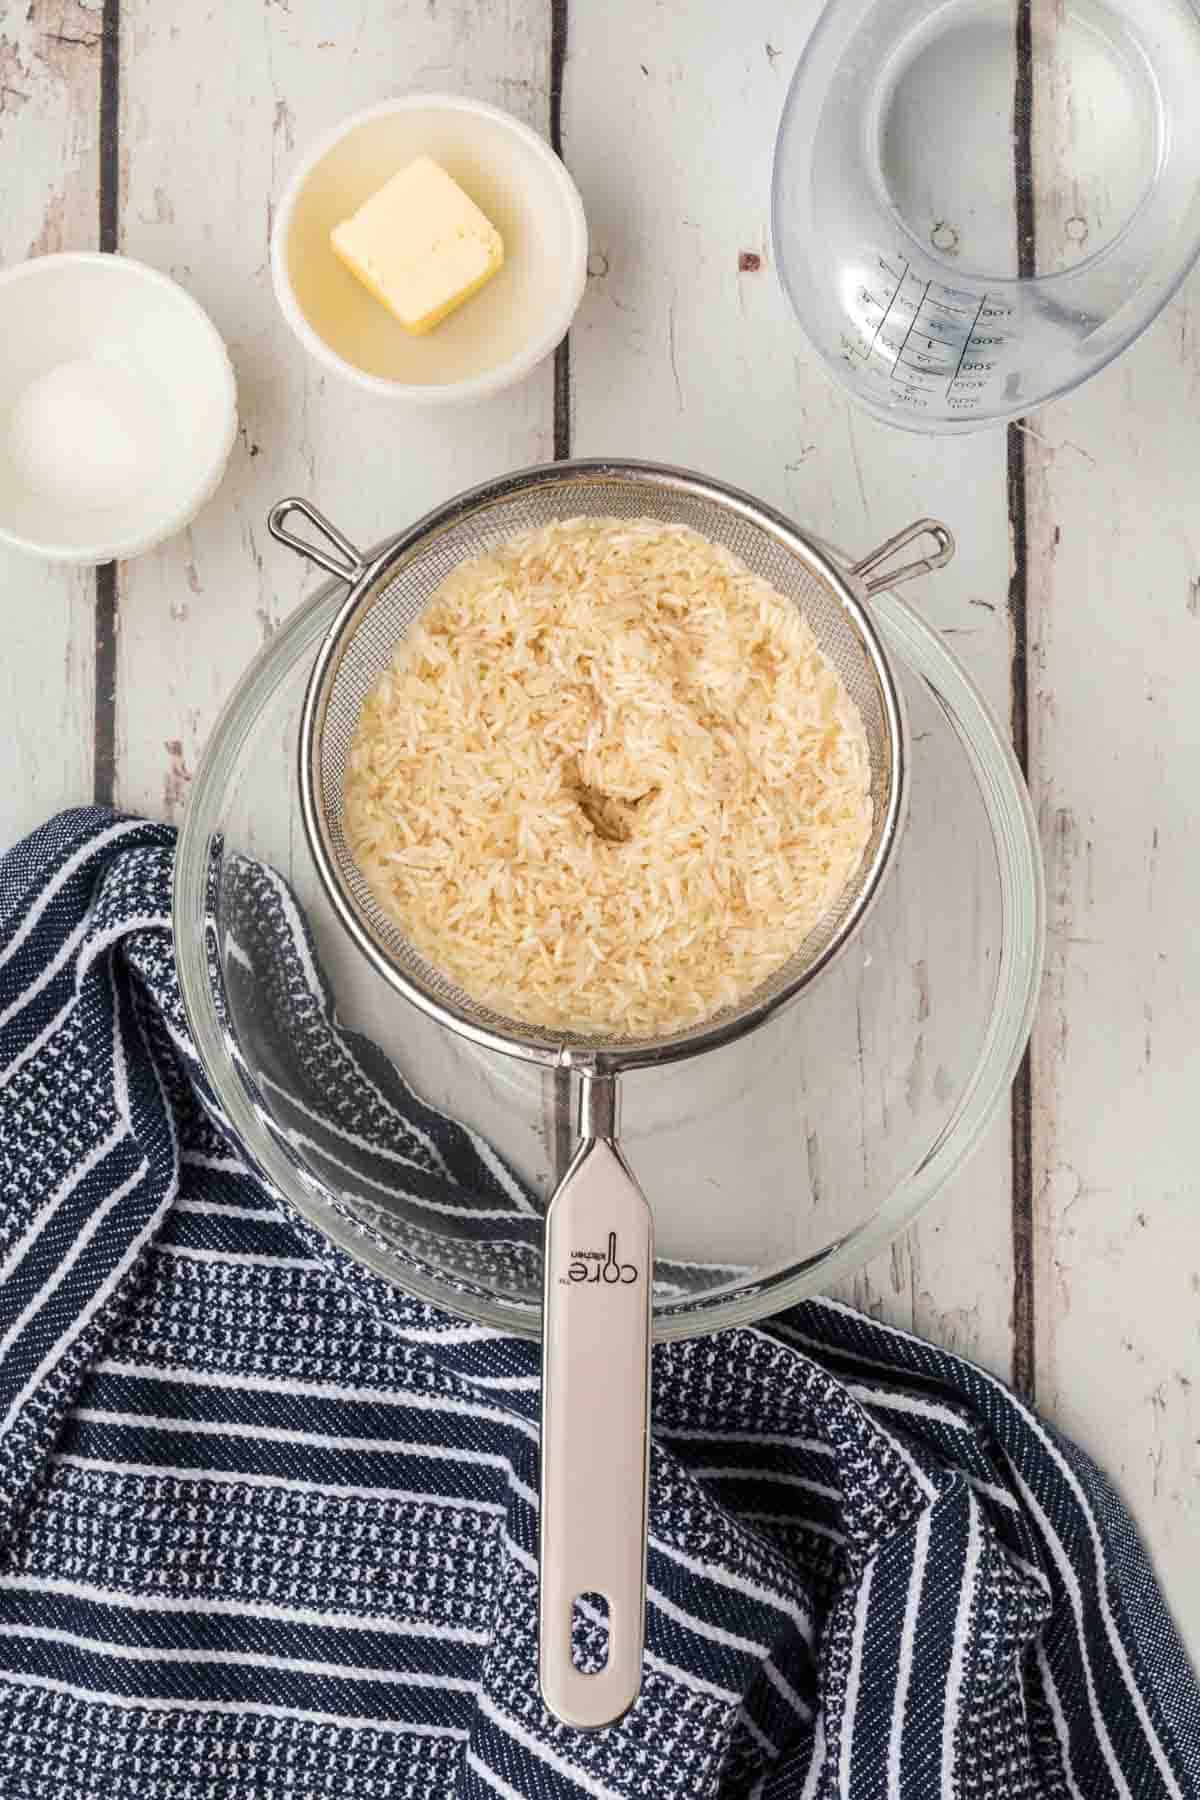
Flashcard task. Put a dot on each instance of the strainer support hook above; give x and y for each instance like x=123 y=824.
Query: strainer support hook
x=924 y=565
x=348 y=564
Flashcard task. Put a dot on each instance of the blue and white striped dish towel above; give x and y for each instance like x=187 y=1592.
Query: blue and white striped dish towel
x=269 y=1528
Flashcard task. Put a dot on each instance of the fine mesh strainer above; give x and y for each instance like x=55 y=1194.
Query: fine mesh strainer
x=598 y=1255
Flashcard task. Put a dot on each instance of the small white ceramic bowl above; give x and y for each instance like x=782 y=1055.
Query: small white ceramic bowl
x=502 y=332
x=118 y=407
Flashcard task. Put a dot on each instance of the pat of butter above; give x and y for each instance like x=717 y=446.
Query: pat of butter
x=420 y=245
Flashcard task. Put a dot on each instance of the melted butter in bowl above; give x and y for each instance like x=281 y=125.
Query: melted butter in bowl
x=505 y=329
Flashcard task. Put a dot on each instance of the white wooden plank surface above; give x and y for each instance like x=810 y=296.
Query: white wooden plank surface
x=1114 y=572
x=49 y=119
x=211 y=129
x=1115 y=535
x=679 y=356
x=217 y=106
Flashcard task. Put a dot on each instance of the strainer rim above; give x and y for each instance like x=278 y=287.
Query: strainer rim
x=546 y=1049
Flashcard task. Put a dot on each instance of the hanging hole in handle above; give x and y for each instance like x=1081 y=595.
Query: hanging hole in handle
x=348 y=565
x=589 y=1633
x=943 y=539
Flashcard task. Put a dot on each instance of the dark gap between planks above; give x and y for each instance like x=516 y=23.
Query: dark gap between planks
x=562 y=356
x=563 y=1086
x=1023 y=1310
x=1024 y=1342
x=104 y=731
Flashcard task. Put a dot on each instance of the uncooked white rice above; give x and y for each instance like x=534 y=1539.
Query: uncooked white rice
x=609 y=782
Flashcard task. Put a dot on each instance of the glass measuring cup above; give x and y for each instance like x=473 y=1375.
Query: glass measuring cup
x=979 y=203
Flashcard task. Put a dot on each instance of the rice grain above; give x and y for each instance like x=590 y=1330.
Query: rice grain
x=609 y=782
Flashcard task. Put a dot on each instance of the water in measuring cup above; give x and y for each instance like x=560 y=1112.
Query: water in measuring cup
x=996 y=161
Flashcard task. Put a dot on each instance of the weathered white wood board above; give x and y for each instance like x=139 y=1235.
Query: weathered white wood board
x=49 y=122
x=1113 y=540
x=1115 y=652
x=217 y=108
x=204 y=162
x=682 y=356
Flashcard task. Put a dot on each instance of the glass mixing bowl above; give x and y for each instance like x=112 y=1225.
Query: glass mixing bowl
x=774 y=1165
x=979 y=203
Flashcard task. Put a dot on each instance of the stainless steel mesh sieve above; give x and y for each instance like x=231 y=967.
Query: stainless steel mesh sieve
x=389 y=594
x=598 y=1252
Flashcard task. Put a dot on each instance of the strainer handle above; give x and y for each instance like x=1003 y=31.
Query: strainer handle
x=348 y=565
x=924 y=565
x=595 y=1422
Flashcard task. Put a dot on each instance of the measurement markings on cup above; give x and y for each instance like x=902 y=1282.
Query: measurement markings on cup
x=925 y=339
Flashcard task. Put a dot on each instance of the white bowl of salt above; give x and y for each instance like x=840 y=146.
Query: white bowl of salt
x=118 y=407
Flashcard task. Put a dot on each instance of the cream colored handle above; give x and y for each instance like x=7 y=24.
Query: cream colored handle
x=595 y=1429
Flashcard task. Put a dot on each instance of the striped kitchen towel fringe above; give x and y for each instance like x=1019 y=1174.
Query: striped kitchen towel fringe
x=268 y=1527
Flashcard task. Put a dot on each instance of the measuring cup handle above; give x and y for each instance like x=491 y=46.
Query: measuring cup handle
x=925 y=565
x=347 y=565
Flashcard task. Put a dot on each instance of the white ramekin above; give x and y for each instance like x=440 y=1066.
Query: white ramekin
x=169 y=359
x=502 y=332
